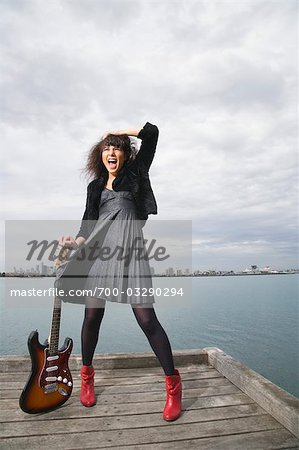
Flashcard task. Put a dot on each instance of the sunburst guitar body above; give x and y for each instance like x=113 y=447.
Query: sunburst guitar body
x=50 y=383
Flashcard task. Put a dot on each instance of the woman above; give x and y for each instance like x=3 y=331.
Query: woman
x=119 y=200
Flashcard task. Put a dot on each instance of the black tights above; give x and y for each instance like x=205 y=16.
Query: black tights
x=147 y=320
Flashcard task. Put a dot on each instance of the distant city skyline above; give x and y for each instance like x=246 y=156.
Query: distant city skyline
x=44 y=270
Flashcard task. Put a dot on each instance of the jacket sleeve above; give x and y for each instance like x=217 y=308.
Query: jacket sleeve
x=83 y=231
x=149 y=136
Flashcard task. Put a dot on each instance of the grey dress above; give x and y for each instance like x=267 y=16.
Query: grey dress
x=123 y=275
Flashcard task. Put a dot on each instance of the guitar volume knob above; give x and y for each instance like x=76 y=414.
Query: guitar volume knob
x=59 y=378
x=70 y=383
x=64 y=380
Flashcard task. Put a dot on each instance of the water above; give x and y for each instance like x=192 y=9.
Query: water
x=253 y=318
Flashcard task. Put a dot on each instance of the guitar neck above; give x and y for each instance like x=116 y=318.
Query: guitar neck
x=55 y=327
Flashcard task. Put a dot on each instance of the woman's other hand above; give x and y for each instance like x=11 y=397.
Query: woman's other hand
x=68 y=242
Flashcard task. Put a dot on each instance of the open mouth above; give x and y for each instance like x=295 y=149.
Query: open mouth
x=112 y=163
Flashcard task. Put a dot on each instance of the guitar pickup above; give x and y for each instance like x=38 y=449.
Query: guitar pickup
x=51 y=379
x=51 y=368
x=52 y=358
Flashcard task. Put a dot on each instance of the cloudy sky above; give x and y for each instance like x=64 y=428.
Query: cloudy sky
x=217 y=77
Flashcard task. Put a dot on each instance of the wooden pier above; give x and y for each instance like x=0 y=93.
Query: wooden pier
x=225 y=406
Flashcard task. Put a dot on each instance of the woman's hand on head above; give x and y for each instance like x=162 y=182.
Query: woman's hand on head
x=68 y=242
x=105 y=134
x=129 y=132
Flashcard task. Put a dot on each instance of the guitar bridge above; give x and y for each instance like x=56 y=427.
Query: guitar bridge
x=49 y=388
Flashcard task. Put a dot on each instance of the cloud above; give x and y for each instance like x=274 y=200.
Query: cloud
x=217 y=77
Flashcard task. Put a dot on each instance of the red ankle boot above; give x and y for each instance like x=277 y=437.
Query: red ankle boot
x=87 y=394
x=173 y=404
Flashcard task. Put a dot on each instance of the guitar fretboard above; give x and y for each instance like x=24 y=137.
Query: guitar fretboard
x=55 y=326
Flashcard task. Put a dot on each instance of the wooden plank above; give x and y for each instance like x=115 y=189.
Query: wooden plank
x=133 y=397
x=276 y=401
x=261 y=440
x=13 y=389
x=137 y=397
x=13 y=429
x=158 y=387
x=188 y=373
x=123 y=372
x=74 y=409
x=15 y=382
x=169 y=433
x=148 y=384
x=9 y=363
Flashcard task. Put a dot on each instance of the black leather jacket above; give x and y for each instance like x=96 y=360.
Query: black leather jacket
x=133 y=177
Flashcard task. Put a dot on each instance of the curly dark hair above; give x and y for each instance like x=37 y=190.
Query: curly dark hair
x=95 y=167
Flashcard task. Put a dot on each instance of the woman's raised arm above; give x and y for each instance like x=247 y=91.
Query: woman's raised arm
x=149 y=136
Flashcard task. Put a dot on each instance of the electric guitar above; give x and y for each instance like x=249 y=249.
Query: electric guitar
x=50 y=383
